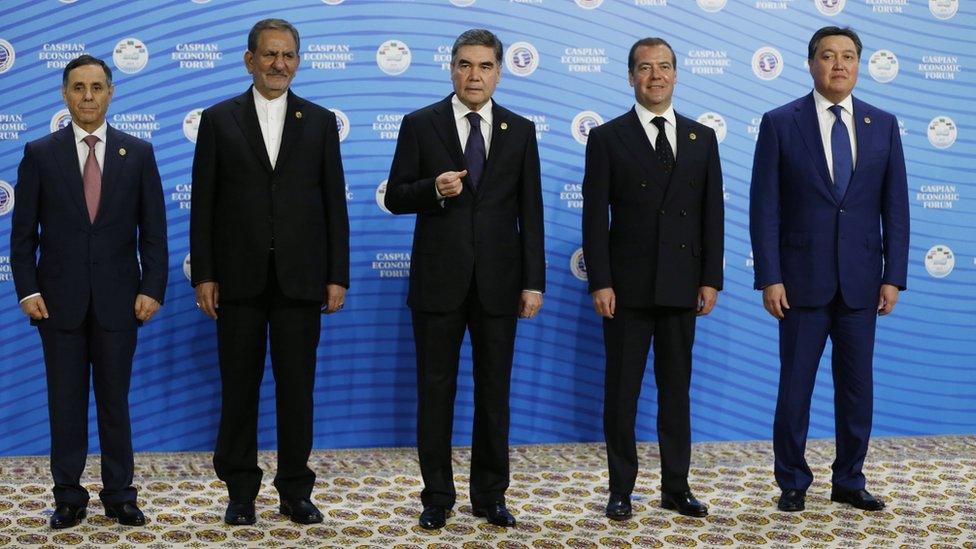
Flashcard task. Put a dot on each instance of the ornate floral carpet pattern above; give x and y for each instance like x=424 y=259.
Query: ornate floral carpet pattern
x=370 y=498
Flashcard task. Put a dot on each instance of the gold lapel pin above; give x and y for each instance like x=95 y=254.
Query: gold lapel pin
x=504 y=125
x=867 y=119
x=298 y=114
x=692 y=137
x=122 y=151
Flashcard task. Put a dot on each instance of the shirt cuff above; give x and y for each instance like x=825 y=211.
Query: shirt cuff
x=30 y=296
x=533 y=291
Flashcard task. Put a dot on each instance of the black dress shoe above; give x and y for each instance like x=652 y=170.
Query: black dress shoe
x=302 y=511
x=791 y=501
x=67 y=515
x=128 y=513
x=684 y=503
x=433 y=517
x=239 y=514
x=497 y=514
x=858 y=498
x=618 y=507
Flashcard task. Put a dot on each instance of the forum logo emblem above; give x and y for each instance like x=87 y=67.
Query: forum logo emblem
x=883 y=66
x=767 y=63
x=186 y=267
x=942 y=132
x=830 y=7
x=939 y=261
x=715 y=121
x=6 y=197
x=191 y=124
x=583 y=123
x=462 y=3
x=589 y=4
x=944 y=9
x=381 y=196
x=522 y=59
x=342 y=123
x=60 y=119
x=130 y=55
x=711 y=6
x=577 y=265
x=393 y=57
x=7 y=56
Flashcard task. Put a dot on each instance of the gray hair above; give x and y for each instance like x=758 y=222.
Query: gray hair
x=270 y=24
x=478 y=37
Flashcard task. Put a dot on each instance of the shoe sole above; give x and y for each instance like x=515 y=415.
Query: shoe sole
x=800 y=508
x=620 y=517
x=869 y=509
x=283 y=511
x=672 y=507
x=480 y=513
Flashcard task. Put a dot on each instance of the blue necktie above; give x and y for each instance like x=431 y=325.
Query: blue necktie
x=840 y=149
x=474 y=150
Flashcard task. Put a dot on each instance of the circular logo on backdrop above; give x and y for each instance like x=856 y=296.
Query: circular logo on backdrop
x=7 y=56
x=186 y=267
x=942 y=132
x=60 y=119
x=883 y=66
x=583 y=123
x=939 y=261
x=767 y=63
x=462 y=3
x=393 y=57
x=6 y=197
x=381 y=196
x=830 y=7
x=130 y=55
x=342 y=123
x=191 y=124
x=522 y=59
x=589 y=4
x=577 y=265
x=714 y=121
x=944 y=9
x=711 y=5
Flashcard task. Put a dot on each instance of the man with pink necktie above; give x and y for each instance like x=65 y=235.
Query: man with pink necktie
x=89 y=198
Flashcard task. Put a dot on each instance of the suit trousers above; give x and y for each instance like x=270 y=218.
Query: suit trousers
x=71 y=358
x=244 y=327
x=803 y=335
x=627 y=339
x=438 y=338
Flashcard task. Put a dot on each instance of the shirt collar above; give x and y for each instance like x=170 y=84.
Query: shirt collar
x=645 y=115
x=460 y=110
x=100 y=133
x=268 y=103
x=823 y=103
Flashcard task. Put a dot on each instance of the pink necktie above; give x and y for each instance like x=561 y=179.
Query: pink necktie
x=92 y=177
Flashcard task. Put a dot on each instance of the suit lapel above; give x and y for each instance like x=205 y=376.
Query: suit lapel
x=863 y=133
x=809 y=126
x=685 y=157
x=114 y=160
x=247 y=119
x=634 y=138
x=292 y=131
x=68 y=162
x=499 y=136
x=446 y=129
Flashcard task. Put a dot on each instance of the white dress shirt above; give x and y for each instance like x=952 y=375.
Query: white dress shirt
x=826 y=119
x=271 y=117
x=464 y=127
x=670 y=129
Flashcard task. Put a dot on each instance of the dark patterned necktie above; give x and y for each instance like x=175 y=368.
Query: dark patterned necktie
x=474 y=150
x=840 y=152
x=662 y=147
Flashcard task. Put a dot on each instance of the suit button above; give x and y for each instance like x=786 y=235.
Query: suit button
x=274 y=187
x=660 y=212
x=683 y=246
x=692 y=183
x=683 y=213
x=842 y=210
x=643 y=183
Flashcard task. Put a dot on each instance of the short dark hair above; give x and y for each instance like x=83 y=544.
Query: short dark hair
x=478 y=37
x=832 y=31
x=270 y=24
x=82 y=60
x=649 y=41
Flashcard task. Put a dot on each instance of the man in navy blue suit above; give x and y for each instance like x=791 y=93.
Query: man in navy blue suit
x=829 y=224
x=89 y=197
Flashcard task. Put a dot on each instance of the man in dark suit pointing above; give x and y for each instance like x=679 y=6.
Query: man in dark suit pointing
x=269 y=245
x=469 y=169
x=653 y=268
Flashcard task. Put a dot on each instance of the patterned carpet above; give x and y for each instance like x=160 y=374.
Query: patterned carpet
x=370 y=499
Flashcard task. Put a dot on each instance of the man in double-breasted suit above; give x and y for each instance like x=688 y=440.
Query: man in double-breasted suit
x=89 y=197
x=653 y=264
x=269 y=249
x=829 y=224
x=469 y=169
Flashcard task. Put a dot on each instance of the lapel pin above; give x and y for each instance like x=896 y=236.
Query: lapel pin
x=504 y=125
x=692 y=137
x=298 y=114
x=122 y=151
x=867 y=119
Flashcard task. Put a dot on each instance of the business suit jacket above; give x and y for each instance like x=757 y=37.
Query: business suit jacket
x=83 y=262
x=666 y=237
x=240 y=205
x=494 y=233
x=802 y=236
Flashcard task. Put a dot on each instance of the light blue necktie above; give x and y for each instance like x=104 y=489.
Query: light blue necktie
x=840 y=147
